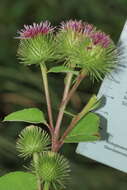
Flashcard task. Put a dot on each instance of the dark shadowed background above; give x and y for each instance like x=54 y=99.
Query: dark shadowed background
x=20 y=87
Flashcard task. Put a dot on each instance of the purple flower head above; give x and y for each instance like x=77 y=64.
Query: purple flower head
x=76 y=26
x=100 y=38
x=88 y=29
x=31 y=31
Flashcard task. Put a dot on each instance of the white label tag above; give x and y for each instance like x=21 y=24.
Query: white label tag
x=112 y=150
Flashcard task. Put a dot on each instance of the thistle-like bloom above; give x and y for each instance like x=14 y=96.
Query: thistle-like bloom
x=96 y=55
x=31 y=31
x=32 y=140
x=36 y=43
x=70 y=34
x=88 y=29
x=76 y=26
x=85 y=47
x=54 y=169
x=100 y=38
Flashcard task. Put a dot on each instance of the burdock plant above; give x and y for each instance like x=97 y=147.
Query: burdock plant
x=79 y=50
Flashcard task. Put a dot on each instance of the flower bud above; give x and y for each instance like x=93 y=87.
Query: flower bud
x=69 y=35
x=32 y=140
x=86 y=48
x=96 y=55
x=53 y=168
x=36 y=43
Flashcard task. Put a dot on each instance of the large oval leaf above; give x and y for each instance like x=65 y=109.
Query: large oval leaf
x=62 y=69
x=30 y=115
x=85 y=130
x=18 y=181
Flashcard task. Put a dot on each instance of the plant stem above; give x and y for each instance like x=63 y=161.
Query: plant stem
x=46 y=186
x=74 y=121
x=74 y=88
x=35 y=159
x=64 y=103
x=62 y=106
x=61 y=110
x=46 y=88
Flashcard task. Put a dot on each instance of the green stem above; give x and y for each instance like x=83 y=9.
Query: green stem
x=46 y=88
x=74 y=88
x=69 y=114
x=46 y=186
x=35 y=159
x=57 y=144
x=74 y=121
x=61 y=110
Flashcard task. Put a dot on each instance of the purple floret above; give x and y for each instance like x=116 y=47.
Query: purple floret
x=100 y=38
x=76 y=26
x=31 y=31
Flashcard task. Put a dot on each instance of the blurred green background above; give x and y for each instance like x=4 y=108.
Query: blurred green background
x=20 y=87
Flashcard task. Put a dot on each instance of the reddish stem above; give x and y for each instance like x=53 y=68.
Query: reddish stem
x=74 y=88
x=70 y=127
x=61 y=111
x=57 y=144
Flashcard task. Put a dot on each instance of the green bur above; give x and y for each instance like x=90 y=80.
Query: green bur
x=54 y=169
x=32 y=140
x=35 y=50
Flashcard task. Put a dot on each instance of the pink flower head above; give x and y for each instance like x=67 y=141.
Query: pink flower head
x=100 y=38
x=88 y=29
x=31 y=31
x=76 y=26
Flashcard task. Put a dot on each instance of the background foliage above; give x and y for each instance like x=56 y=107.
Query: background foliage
x=21 y=87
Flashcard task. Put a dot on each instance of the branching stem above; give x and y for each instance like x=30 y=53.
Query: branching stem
x=74 y=88
x=65 y=100
x=62 y=105
x=75 y=120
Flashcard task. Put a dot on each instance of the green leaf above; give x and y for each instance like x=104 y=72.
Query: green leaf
x=99 y=103
x=88 y=107
x=18 y=181
x=30 y=115
x=85 y=130
x=62 y=69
